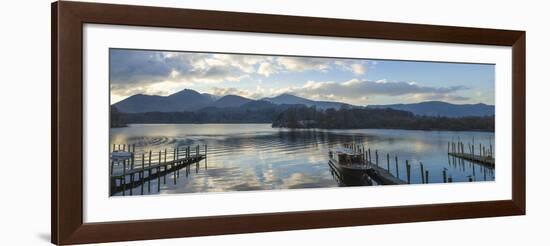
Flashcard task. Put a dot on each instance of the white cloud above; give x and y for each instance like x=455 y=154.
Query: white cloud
x=357 y=90
x=267 y=69
x=300 y=64
x=358 y=69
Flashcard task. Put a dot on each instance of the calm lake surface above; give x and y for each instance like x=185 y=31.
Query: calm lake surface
x=257 y=157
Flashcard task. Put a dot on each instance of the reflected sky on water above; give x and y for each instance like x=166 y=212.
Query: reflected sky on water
x=257 y=157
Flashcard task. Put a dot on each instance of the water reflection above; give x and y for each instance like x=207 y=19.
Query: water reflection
x=258 y=157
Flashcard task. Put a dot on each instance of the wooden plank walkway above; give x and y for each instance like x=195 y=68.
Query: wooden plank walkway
x=382 y=175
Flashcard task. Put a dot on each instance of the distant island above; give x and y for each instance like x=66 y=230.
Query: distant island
x=290 y=111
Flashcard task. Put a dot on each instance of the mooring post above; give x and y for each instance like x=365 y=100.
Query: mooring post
x=422 y=172
x=479 y=149
x=427 y=175
x=158 y=171
x=445 y=175
x=448 y=147
x=396 y=167
x=149 y=173
x=470 y=179
x=408 y=171
x=165 y=166
x=142 y=168
x=132 y=161
x=124 y=177
x=131 y=183
x=388 y=160
x=450 y=180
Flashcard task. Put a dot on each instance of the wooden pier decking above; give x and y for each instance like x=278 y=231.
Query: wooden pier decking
x=139 y=169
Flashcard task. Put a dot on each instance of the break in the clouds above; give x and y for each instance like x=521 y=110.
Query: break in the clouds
x=355 y=81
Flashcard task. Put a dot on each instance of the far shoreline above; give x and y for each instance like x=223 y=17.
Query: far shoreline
x=287 y=128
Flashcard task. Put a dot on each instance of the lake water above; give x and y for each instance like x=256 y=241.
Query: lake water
x=244 y=157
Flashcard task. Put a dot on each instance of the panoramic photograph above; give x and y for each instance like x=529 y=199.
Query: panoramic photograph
x=196 y=122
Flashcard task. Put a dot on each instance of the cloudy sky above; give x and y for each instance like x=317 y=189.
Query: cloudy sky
x=354 y=81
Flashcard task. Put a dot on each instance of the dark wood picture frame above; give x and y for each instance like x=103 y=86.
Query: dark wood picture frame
x=67 y=123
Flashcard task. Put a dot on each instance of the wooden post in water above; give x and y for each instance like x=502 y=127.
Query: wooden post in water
x=450 y=180
x=165 y=166
x=376 y=155
x=396 y=167
x=470 y=179
x=131 y=183
x=124 y=177
x=427 y=175
x=445 y=175
x=422 y=171
x=141 y=173
x=158 y=171
x=149 y=173
x=479 y=149
x=388 y=159
x=132 y=160
x=448 y=147
x=408 y=171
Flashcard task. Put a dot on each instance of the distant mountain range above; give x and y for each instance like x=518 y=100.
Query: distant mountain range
x=437 y=108
x=192 y=101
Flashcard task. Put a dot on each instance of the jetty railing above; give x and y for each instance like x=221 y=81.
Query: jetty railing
x=140 y=168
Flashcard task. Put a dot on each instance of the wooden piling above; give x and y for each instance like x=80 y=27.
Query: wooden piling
x=450 y=180
x=124 y=177
x=422 y=171
x=427 y=177
x=444 y=175
x=408 y=171
x=149 y=173
x=376 y=155
x=164 y=176
x=158 y=171
x=142 y=168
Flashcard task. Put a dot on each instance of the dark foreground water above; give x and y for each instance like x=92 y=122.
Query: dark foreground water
x=257 y=157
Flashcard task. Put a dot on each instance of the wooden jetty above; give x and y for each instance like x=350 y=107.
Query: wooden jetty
x=139 y=169
x=482 y=155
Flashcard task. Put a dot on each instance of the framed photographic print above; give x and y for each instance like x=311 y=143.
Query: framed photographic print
x=175 y=122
